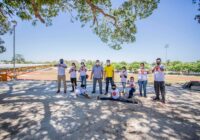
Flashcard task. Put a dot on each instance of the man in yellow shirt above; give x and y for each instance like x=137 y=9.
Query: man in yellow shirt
x=108 y=75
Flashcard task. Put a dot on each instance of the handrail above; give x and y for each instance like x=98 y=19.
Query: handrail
x=8 y=73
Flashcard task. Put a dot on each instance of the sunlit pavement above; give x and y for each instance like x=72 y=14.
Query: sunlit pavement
x=32 y=110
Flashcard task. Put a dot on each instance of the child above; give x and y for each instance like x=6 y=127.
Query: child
x=123 y=76
x=83 y=74
x=82 y=91
x=72 y=72
x=132 y=87
x=115 y=96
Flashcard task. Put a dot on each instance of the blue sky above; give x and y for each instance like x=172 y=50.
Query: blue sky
x=172 y=23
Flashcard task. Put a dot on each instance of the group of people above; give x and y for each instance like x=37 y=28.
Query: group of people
x=107 y=73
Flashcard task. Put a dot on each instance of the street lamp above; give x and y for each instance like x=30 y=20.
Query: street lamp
x=14 y=26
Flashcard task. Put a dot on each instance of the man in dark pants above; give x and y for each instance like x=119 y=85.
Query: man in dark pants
x=97 y=75
x=108 y=75
x=159 y=80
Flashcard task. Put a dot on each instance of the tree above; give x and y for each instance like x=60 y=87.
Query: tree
x=89 y=64
x=117 y=66
x=19 y=59
x=2 y=32
x=2 y=49
x=197 y=2
x=134 y=66
x=123 y=63
x=115 y=25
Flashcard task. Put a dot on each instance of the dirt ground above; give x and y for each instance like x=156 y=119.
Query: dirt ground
x=30 y=110
x=51 y=74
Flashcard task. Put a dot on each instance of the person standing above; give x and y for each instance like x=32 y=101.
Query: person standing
x=97 y=75
x=61 y=75
x=72 y=72
x=159 y=80
x=108 y=75
x=83 y=74
x=142 y=79
x=123 y=76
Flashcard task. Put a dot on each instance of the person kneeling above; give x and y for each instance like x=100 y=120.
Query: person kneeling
x=115 y=96
x=82 y=91
x=132 y=87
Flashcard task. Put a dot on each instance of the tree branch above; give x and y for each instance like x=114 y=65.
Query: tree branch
x=1 y=11
x=95 y=8
x=36 y=11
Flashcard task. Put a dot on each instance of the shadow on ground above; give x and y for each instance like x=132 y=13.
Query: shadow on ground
x=32 y=110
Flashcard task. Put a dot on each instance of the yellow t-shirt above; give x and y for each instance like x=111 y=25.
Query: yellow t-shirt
x=109 y=71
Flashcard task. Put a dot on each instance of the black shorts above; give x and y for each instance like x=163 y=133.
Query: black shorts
x=73 y=80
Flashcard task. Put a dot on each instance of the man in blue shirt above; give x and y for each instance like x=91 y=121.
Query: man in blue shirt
x=97 y=75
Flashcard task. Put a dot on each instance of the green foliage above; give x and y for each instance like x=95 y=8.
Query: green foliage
x=134 y=66
x=175 y=66
x=197 y=17
x=19 y=59
x=2 y=48
x=114 y=26
x=186 y=67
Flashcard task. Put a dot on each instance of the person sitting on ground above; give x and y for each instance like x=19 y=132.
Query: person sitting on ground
x=132 y=87
x=115 y=96
x=82 y=91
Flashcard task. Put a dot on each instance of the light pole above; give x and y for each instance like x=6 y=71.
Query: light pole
x=14 y=26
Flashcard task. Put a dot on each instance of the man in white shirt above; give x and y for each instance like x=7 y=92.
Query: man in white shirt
x=159 y=80
x=61 y=75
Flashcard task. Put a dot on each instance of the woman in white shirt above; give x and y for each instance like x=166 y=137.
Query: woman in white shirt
x=83 y=74
x=123 y=76
x=72 y=72
x=142 y=79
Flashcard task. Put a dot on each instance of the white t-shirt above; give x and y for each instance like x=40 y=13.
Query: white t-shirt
x=158 y=74
x=115 y=94
x=142 y=75
x=131 y=84
x=123 y=76
x=80 y=91
x=83 y=71
x=72 y=72
x=61 y=69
